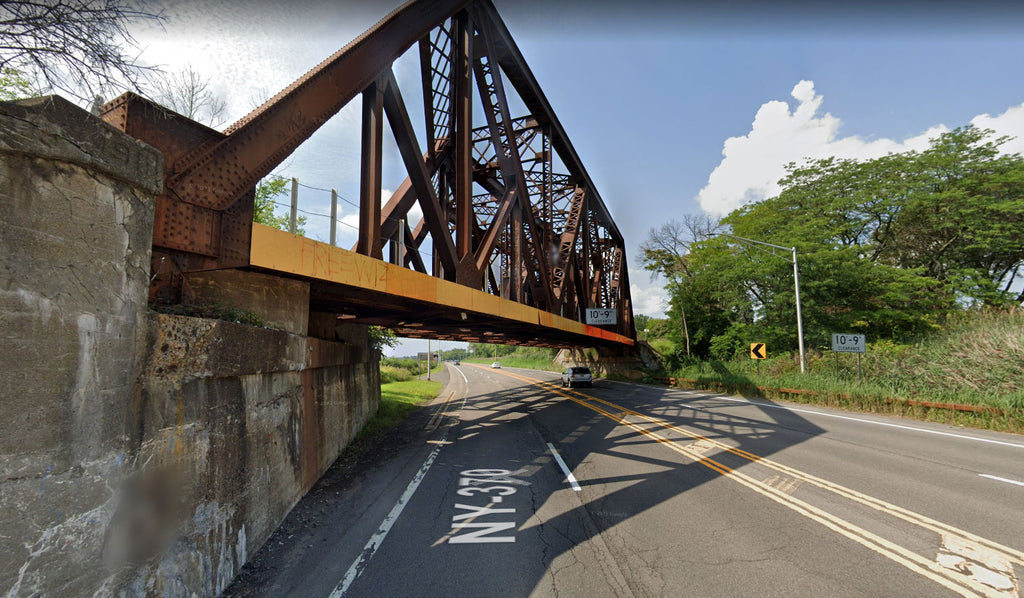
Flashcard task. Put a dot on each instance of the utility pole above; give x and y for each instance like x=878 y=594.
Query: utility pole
x=796 y=286
x=428 y=359
x=686 y=332
x=799 y=317
x=334 y=218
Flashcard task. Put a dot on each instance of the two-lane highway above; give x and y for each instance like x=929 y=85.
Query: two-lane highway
x=516 y=486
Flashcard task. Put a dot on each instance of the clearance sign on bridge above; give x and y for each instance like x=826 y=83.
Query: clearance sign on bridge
x=601 y=317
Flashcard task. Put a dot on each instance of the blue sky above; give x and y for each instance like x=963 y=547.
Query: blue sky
x=650 y=92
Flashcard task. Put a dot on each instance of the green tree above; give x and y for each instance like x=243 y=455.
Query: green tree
x=887 y=246
x=666 y=253
x=488 y=350
x=455 y=353
x=267 y=190
x=641 y=322
x=14 y=85
x=381 y=337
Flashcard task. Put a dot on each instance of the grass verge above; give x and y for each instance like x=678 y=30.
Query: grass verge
x=397 y=401
x=969 y=371
x=867 y=398
x=516 y=361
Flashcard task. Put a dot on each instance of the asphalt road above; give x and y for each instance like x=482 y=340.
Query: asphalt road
x=675 y=493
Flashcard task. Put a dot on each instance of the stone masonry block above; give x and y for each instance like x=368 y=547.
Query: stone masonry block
x=281 y=303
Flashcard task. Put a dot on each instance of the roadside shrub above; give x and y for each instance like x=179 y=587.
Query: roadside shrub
x=663 y=346
x=394 y=374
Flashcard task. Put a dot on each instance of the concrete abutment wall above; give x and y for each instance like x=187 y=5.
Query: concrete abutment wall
x=630 y=363
x=144 y=453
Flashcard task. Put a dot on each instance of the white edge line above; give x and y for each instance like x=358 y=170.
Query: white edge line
x=856 y=419
x=1008 y=481
x=568 y=474
x=378 y=537
x=878 y=423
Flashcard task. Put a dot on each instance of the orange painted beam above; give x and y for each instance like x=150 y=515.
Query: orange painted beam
x=280 y=251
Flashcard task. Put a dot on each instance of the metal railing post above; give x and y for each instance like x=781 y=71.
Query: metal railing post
x=295 y=206
x=401 y=242
x=334 y=217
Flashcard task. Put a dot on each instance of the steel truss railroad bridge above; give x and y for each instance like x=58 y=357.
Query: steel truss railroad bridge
x=520 y=242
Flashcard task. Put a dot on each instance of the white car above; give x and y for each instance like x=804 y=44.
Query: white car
x=577 y=375
x=496 y=365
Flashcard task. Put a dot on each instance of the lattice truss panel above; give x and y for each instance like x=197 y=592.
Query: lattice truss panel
x=554 y=251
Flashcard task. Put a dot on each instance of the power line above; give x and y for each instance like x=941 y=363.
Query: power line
x=340 y=196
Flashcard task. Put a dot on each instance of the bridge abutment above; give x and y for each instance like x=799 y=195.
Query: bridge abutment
x=144 y=453
x=628 y=362
x=280 y=303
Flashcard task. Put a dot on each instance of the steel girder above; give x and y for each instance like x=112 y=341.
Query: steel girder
x=507 y=205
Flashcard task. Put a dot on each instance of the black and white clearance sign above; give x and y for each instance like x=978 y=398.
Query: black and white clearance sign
x=849 y=343
x=601 y=317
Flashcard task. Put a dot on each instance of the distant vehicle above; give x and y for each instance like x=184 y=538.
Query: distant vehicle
x=496 y=365
x=577 y=375
x=456 y=362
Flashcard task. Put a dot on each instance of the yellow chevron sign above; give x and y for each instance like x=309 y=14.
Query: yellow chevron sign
x=758 y=351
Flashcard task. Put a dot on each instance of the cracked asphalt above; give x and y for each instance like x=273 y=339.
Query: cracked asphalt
x=494 y=515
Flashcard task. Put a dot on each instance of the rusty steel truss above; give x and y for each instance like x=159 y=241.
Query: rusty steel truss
x=507 y=205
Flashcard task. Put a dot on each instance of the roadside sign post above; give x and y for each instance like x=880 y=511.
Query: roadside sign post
x=849 y=343
x=758 y=352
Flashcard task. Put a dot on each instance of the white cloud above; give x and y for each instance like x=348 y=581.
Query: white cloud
x=351 y=222
x=649 y=297
x=752 y=165
x=1009 y=123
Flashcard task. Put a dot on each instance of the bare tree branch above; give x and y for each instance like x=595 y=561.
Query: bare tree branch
x=188 y=93
x=80 y=47
x=666 y=247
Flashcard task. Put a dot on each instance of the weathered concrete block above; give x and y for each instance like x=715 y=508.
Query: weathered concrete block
x=53 y=129
x=281 y=303
x=143 y=454
x=76 y=220
x=243 y=438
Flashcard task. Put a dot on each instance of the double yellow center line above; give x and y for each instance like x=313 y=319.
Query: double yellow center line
x=959 y=583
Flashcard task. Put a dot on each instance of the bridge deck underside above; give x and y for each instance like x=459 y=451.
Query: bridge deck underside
x=366 y=290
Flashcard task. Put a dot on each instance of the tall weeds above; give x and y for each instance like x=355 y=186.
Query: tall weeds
x=977 y=358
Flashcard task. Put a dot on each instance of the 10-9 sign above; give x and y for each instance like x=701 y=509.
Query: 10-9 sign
x=601 y=317
x=849 y=343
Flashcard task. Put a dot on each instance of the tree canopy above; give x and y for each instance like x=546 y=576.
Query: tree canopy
x=886 y=247
x=14 y=85
x=263 y=208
